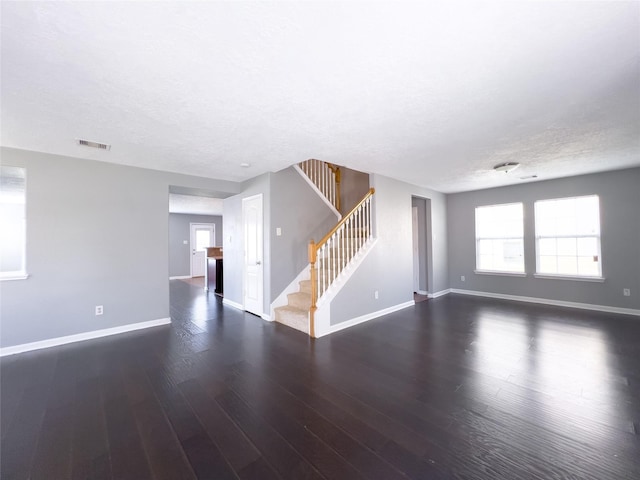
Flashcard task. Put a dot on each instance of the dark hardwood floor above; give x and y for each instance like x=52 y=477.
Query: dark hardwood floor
x=456 y=387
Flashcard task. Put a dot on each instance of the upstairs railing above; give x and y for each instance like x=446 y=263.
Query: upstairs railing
x=326 y=177
x=329 y=257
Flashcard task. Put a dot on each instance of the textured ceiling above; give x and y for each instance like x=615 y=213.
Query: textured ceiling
x=433 y=93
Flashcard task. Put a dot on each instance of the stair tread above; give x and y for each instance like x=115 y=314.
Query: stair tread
x=293 y=317
x=300 y=293
x=299 y=299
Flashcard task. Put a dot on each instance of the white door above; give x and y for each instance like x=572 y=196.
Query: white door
x=253 y=251
x=202 y=236
x=416 y=250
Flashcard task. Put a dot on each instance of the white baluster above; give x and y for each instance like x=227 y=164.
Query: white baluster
x=324 y=180
x=349 y=240
x=366 y=216
x=358 y=218
x=331 y=267
x=335 y=260
x=326 y=273
x=357 y=231
x=331 y=185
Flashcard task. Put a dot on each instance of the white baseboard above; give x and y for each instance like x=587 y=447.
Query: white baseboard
x=180 y=277
x=231 y=303
x=54 y=342
x=547 y=301
x=239 y=306
x=366 y=318
x=422 y=292
x=439 y=294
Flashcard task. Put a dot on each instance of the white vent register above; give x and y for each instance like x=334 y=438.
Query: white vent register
x=87 y=143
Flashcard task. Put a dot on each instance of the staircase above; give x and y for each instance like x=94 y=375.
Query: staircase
x=331 y=256
x=296 y=313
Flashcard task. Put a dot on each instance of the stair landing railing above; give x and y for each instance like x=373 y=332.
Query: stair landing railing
x=330 y=256
x=325 y=176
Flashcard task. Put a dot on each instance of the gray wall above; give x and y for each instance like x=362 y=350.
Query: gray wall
x=233 y=241
x=179 y=231
x=298 y=210
x=353 y=186
x=619 y=193
x=97 y=234
x=389 y=266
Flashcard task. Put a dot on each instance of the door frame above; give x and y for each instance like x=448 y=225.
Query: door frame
x=192 y=226
x=260 y=311
x=415 y=248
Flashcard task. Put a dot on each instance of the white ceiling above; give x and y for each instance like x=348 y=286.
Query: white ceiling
x=433 y=93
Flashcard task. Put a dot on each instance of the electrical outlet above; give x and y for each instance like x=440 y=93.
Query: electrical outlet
x=462 y=278
x=375 y=294
x=626 y=292
x=99 y=310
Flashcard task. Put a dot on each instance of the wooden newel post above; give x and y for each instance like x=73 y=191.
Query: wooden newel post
x=314 y=287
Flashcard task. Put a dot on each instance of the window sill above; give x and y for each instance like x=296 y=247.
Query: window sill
x=504 y=274
x=14 y=276
x=569 y=277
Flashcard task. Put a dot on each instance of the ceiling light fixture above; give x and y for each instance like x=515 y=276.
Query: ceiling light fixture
x=506 y=167
x=245 y=165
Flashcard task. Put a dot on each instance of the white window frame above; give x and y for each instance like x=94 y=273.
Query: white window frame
x=598 y=237
x=513 y=273
x=22 y=273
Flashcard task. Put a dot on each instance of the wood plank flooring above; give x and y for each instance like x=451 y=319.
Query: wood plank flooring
x=456 y=387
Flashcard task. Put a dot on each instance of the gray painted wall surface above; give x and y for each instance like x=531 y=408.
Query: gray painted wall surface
x=389 y=266
x=619 y=193
x=97 y=234
x=353 y=186
x=298 y=210
x=179 y=231
x=233 y=241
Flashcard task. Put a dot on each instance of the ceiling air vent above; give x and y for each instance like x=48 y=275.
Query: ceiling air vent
x=87 y=143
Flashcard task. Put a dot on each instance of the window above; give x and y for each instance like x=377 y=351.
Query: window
x=499 y=238
x=12 y=222
x=568 y=237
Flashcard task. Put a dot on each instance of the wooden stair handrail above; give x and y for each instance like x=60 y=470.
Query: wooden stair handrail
x=344 y=219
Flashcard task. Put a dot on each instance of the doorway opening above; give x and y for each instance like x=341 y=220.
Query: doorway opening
x=421 y=247
x=202 y=237
x=195 y=223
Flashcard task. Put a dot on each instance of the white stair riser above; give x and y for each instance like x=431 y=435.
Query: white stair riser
x=298 y=321
x=305 y=286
